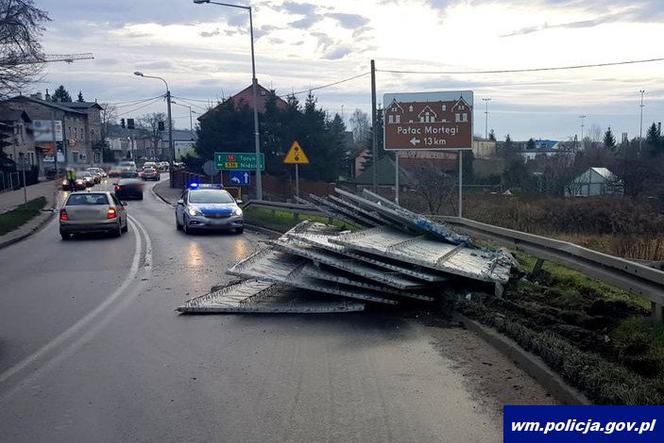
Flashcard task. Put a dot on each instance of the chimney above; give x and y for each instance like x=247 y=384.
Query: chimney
x=659 y=127
x=47 y=96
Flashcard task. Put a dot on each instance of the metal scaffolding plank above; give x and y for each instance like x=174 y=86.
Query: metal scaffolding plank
x=329 y=212
x=325 y=205
x=272 y=265
x=313 y=237
x=259 y=297
x=410 y=219
x=317 y=272
x=352 y=266
x=477 y=264
x=372 y=215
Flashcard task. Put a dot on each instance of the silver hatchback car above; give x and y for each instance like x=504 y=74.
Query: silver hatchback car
x=92 y=212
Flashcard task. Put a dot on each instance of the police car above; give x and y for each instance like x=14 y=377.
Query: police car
x=208 y=207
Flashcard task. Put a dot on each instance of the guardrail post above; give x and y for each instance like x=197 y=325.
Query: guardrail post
x=537 y=268
x=657 y=311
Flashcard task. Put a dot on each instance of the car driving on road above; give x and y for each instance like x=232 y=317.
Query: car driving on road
x=87 y=177
x=150 y=174
x=129 y=187
x=208 y=208
x=92 y=212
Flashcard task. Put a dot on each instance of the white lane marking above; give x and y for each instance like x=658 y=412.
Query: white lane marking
x=148 y=241
x=83 y=322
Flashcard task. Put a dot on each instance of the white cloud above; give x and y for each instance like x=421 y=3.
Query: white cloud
x=202 y=49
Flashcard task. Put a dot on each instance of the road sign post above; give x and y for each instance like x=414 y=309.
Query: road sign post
x=297 y=157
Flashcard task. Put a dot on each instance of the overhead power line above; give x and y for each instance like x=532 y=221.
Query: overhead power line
x=124 y=104
x=508 y=71
x=364 y=74
x=140 y=107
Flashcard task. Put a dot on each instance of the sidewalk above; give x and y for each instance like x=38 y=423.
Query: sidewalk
x=165 y=192
x=11 y=199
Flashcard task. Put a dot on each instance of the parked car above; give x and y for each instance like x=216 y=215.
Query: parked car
x=92 y=212
x=85 y=175
x=163 y=166
x=208 y=208
x=99 y=171
x=129 y=188
x=150 y=174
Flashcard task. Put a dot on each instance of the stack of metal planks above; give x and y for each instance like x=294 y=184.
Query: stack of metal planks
x=387 y=255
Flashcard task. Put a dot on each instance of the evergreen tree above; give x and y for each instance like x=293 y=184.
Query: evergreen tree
x=654 y=141
x=61 y=95
x=531 y=144
x=609 y=139
x=80 y=97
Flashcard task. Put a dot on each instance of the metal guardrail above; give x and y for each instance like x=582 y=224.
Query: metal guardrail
x=296 y=208
x=628 y=275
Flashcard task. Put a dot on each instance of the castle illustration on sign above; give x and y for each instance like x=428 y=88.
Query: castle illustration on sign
x=427 y=112
x=428 y=121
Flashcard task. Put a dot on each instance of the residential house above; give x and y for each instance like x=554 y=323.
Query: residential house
x=594 y=182
x=18 y=139
x=246 y=96
x=78 y=128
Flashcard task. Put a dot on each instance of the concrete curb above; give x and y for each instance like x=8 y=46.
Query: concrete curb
x=23 y=236
x=530 y=363
x=156 y=194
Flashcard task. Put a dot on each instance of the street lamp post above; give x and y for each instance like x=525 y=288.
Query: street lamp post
x=171 y=151
x=486 y=101
x=254 y=90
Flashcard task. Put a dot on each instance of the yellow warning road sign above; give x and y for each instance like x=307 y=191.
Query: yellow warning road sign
x=296 y=155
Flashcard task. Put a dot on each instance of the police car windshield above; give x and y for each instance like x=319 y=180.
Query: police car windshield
x=210 y=196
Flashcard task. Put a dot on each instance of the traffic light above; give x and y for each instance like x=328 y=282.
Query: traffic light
x=122 y=123
x=130 y=123
x=161 y=126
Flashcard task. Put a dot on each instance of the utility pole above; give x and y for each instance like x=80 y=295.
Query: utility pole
x=374 y=153
x=582 y=117
x=486 y=101
x=171 y=148
x=642 y=91
x=55 y=146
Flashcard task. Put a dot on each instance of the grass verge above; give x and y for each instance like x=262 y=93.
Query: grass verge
x=597 y=337
x=282 y=220
x=13 y=219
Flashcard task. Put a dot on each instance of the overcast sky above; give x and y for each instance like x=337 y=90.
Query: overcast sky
x=203 y=52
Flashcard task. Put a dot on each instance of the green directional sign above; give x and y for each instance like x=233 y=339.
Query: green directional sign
x=237 y=161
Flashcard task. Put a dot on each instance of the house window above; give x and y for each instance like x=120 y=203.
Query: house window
x=74 y=156
x=398 y=118
x=426 y=118
x=390 y=119
x=461 y=118
x=444 y=107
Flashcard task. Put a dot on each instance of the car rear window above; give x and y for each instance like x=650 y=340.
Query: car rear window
x=87 y=199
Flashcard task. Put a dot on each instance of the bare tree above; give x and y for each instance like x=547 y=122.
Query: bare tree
x=21 y=56
x=108 y=116
x=150 y=122
x=359 y=123
x=435 y=187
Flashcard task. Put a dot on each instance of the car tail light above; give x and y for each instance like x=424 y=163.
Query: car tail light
x=63 y=215
x=111 y=213
x=117 y=188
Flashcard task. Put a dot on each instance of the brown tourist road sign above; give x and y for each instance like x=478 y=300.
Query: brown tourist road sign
x=428 y=120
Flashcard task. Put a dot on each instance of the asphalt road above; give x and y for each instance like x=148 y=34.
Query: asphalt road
x=92 y=350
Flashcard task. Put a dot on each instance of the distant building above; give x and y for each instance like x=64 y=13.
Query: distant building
x=594 y=182
x=385 y=176
x=484 y=149
x=17 y=135
x=78 y=128
x=183 y=142
x=246 y=97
